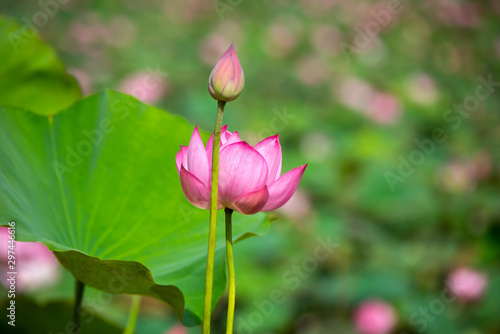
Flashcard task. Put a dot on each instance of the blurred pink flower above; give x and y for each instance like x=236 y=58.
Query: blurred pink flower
x=83 y=34
x=36 y=266
x=145 y=86
x=212 y=47
x=326 y=39
x=383 y=108
x=483 y=165
x=185 y=11
x=215 y=44
x=421 y=88
x=83 y=79
x=92 y=33
x=457 y=13
x=375 y=317
x=280 y=40
x=298 y=208
x=317 y=8
x=227 y=80
x=316 y=146
x=457 y=176
x=177 y=329
x=355 y=93
x=249 y=177
x=353 y=12
x=467 y=284
x=312 y=70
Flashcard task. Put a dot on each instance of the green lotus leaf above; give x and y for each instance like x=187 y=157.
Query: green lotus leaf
x=31 y=75
x=97 y=183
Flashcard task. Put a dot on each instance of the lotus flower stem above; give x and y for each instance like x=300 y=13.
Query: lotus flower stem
x=230 y=271
x=207 y=309
x=79 y=288
x=132 y=316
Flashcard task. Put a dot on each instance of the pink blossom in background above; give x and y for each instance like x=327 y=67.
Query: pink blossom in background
x=84 y=38
x=383 y=109
x=353 y=12
x=250 y=178
x=280 y=40
x=185 y=11
x=146 y=86
x=375 y=317
x=216 y=43
x=316 y=146
x=298 y=208
x=83 y=79
x=421 y=88
x=83 y=34
x=36 y=266
x=354 y=93
x=212 y=47
x=326 y=39
x=177 y=329
x=315 y=8
x=483 y=165
x=457 y=176
x=457 y=13
x=283 y=35
x=93 y=36
x=467 y=284
x=312 y=70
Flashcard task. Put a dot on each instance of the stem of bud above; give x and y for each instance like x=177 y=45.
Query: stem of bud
x=207 y=309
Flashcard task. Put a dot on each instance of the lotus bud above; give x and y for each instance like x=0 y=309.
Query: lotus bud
x=227 y=80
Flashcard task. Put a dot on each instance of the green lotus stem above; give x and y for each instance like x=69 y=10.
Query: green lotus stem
x=230 y=271
x=133 y=313
x=79 y=289
x=207 y=309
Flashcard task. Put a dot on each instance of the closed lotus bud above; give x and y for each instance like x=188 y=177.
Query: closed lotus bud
x=227 y=80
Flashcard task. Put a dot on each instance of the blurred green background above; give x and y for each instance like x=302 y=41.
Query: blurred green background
x=358 y=91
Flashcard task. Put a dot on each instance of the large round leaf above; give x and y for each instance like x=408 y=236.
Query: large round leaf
x=97 y=183
x=31 y=76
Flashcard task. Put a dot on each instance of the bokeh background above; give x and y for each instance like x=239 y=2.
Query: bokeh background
x=389 y=104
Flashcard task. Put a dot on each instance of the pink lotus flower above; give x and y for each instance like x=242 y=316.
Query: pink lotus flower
x=227 y=80
x=467 y=284
x=145 y=85
x=249 y=177
x=36 y=265
x=375 y=317
x=177 y=329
